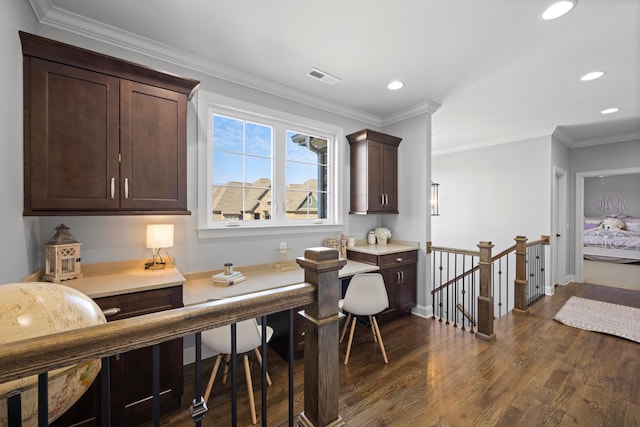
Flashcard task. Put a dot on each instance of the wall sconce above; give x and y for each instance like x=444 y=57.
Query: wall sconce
x=435 y=200
x=159 y=236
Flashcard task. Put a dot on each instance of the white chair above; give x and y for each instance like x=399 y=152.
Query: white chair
x=248 y=339
x=365 y=296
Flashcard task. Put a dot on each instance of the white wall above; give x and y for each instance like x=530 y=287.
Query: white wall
x=493 y=194
x=414 y=221
x=116 y=238
x=19 y=235
x=625 y=187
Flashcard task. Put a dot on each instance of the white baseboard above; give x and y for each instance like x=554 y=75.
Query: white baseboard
x=422 y=311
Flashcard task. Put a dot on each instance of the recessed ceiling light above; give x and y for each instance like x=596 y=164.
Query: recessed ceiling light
x=558 y=9
x=610 y=110
x=592 y=76
x=395 y=85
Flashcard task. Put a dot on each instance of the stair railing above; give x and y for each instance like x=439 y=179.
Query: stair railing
x=473 y=287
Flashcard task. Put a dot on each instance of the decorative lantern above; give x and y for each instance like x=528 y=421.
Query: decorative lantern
x=62 y=256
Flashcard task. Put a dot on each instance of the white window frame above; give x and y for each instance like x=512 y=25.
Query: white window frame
x=210 y=103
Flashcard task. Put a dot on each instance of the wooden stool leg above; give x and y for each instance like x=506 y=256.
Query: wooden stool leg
x=377 y=331
x=344 y=328
x=353 y=328
x=373 y=330
x=252 y=403
x=259 y=357
x=227 y=359
x=212 y=378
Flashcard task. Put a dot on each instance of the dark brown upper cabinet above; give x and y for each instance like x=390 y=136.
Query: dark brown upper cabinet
x=102 y=136
x=374 y=172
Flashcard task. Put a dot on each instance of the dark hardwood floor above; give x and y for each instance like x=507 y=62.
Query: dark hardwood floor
x=537 y=373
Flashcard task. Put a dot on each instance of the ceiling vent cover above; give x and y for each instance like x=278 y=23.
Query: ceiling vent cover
x=324 y=77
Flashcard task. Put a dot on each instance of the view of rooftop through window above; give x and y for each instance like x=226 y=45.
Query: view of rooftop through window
x=246 y=165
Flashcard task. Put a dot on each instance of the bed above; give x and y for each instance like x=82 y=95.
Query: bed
x=612 y=238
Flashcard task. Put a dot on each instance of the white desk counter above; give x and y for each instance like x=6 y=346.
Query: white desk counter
x=122 y=282
x=199 y=287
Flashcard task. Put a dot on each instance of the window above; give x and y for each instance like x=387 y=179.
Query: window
x=261 y=169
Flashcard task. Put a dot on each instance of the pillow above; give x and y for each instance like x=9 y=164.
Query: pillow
x=592 y=220
x=588 y=226
x=633 y=224
x=612 y=224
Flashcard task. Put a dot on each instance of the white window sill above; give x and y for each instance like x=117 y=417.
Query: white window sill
x=273 y=230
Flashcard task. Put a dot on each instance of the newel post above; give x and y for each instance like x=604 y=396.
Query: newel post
x=485 y=299
x=321 y=346
x=520 y=282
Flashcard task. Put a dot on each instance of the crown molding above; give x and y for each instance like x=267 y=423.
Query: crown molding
x=428 y=107
x=48 y=14
x=562 y=136
x=632 y=136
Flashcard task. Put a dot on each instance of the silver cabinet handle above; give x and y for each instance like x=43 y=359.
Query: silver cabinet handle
x=126 y=188
x=113 y=188
x=111 y=311
x=398 y=259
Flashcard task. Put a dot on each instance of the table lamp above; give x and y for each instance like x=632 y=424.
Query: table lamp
x=159 y=236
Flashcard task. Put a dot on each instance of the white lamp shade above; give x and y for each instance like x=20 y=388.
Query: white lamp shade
x=159 y=236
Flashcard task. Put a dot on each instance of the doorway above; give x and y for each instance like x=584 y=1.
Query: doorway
x=580 y=177
x=559 y=230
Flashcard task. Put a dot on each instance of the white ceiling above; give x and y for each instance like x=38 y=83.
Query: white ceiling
x=491 y=69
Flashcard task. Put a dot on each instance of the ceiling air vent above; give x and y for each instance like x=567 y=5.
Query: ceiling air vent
x=323 y=77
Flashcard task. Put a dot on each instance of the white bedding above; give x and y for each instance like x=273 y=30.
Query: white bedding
x=620 y=244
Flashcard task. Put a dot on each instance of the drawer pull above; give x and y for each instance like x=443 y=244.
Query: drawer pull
x=398 y=259
x=108 y=312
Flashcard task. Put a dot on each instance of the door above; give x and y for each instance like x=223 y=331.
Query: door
x=559 y=249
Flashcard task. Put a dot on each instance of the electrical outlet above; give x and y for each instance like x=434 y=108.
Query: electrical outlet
x=283 y=247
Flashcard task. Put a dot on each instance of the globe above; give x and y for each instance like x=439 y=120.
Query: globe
x=34 y=309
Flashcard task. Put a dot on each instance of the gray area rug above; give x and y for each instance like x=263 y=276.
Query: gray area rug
x=598 y=316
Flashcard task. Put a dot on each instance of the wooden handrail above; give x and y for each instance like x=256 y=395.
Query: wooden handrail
x=36 y=355
x=544 y=240
x=453 y=250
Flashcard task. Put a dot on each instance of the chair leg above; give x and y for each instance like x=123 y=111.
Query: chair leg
x=373 y=330
x=259 y=357
x=227 y=359
x=344 y=328
x=353 y=328
x=252 y=403
x=212 y=378
x=377 y=332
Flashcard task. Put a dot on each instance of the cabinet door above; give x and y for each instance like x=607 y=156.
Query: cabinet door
x=389 y=178
x=406 y=289
x=375 y=184
x=71 y=150
x=390 y=276
x=153 y=147
x=131 y=372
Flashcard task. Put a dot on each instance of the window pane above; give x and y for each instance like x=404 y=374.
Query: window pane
x=258 y=168
x=242 y=169
x=258 y=200
x=227 y=168
x=228 y=134
x=298 y=147
x=258 y=139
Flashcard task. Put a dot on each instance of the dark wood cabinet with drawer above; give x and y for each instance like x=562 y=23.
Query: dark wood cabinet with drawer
x=399 y=273
x=131 y=372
